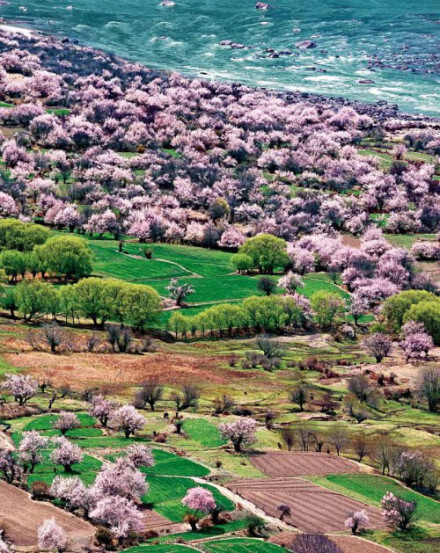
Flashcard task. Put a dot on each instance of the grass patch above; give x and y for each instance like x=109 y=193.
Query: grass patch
x=47 y=470
x=168 y=548
x=370 y=489
x=203 y=432
x=170 y=464
x=165 y=496
x=46 y=422
x=241 y=545
x=407 y=240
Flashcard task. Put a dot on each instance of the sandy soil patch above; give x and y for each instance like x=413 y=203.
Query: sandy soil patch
x=313 y=509
x=22 y=517
x=280 y=463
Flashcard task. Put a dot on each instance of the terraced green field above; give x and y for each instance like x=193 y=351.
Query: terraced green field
x=47 y=470
x=233 y=545
x=165 y=496
x=164 y=548
x=167 y=463
x=46 y=422
x=239 y=545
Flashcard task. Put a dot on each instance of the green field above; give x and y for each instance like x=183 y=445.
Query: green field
x=203 y=432
x=163 y=548
x=407 y=240
x=46 y=422
x=239 y=545
x=47 y=471
x=210 y=272
x=370 y=489
x=170 y=464
x=165 y=496
x=232 y=545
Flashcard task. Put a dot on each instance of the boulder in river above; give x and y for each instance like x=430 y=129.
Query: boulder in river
x=305 y=44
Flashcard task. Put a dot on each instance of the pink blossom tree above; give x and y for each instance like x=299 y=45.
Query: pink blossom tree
x=378 y=345
x=127 y=420
x=199 y=500
x=240 y=432
x=31 y=448
x=66 y=453
x=291 y=282
x=66 y=421
x=178 y=292
x=22 y=387
x=71 y=492
x=397 y=512
x=121 y=479
x=356 y=521
x=139 y=455
x=119 y=514
x=51 y=536
x=102 y=408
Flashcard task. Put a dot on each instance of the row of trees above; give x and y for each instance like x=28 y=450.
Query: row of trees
x=97 y=299
x=274 y=313
x=21 y=236
x=67 y=256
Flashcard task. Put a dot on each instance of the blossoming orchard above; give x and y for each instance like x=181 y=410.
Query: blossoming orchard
x=219 y=311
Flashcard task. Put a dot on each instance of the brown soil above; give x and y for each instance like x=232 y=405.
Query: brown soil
x=158 y=523
x=118 y=372
x=350 y=544
x=313 y=509
x=347 y=544
x=302 y=464
x=21 y=518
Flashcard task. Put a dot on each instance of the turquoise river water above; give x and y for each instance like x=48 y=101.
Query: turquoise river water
x=402 y=35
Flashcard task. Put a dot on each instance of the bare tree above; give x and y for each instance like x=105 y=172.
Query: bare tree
x=361 y=446
x=92 y=342
x=150 y=393
x=44 y=383
x=429 y=387
x=52 y=399
x=52 y=336
x=287 y=435
x=304 y=431
x=385 y=454
x=269 y=417
x=314 y=543
x=189 y=397
x=300 y=396
x=284 y=510
x=338 y=437
x=65 y=391
x=360 y=386
x=33 y=339
x=223 y=404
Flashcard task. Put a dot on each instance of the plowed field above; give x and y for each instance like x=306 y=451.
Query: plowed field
x=313 y=509
x=302 y=464
x=22 y=517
